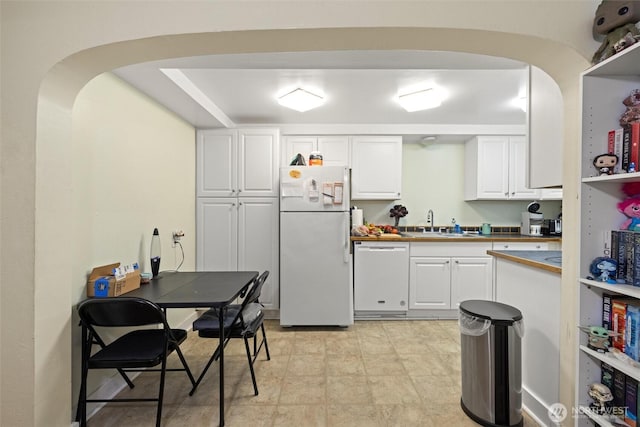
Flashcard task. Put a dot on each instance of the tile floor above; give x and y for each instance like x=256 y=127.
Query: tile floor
x=375 y=373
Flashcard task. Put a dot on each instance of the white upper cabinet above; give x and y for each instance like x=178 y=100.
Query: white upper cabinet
x=376 y=163
x=496 y=169
x=237 y=162
x=335 y=150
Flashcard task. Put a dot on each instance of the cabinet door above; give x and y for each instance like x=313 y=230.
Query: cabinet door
x=258 y=238
x=518 y=172
x=217 y=238
x=471 y=278
x=551 y=194
x=298 y=144
x=258 y=162
x=430 y=283
x=334 y=150
x=216 y=159
x=376 y=163
x=492 y=163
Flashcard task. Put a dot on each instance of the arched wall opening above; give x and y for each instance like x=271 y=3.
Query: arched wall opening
x=51 y=313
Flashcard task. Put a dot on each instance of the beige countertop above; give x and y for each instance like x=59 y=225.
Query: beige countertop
x=545 y=260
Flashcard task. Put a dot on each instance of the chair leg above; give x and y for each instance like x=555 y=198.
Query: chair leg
x=161 y=391
x=204 y=371
x=186 y=367
x=250 y=359
x=264 y=338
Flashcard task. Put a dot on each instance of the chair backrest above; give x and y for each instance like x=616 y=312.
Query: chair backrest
x=120 y=311
x=256 y=289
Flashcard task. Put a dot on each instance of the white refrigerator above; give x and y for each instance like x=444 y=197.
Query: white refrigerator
x=315 y=263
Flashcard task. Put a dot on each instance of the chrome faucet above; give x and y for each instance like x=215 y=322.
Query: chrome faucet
x=429 y=220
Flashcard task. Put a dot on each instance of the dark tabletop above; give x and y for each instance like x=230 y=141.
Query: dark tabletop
x=195 y=289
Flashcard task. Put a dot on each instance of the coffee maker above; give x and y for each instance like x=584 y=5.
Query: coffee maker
x=532 y=220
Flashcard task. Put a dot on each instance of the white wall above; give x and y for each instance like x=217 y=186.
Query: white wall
x=133 y=169
x=433 y=178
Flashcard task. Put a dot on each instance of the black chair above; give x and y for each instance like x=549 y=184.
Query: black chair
x=134 y=351
x=240 y=321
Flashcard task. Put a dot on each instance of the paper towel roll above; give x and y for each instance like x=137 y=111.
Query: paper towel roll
x=356 y=217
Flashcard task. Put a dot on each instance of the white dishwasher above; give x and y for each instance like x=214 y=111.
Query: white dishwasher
x=381 y=276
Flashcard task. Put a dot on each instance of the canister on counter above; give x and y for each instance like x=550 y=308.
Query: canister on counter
x=315 y=158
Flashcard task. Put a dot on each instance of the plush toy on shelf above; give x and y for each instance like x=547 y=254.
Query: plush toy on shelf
x=617 y=21
x=631 y=206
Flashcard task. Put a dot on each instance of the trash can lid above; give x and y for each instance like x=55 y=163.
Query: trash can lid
x=491 y=310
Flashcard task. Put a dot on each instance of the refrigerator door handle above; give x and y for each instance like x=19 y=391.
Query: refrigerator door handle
x=347 y=239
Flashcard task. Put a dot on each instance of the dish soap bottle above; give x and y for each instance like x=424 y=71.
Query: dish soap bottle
x=155 y=252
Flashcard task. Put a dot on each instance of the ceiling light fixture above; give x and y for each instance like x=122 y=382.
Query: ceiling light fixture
x=420 y=100
x=300 y=100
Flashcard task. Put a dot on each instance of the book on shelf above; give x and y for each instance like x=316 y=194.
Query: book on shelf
x=632 y=132
x=619 y=389
x=625 y=249
x=632 y=332
x=606 y=310
x=626 y=151
x=631 y=401
x=618 y=319
x=624 y=389
x=617 y=149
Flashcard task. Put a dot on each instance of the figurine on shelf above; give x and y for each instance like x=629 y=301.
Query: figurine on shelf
x=601 y=395
x=604 y=269
x=631 y=206
x=615 y=24
x=598 y=338
x=605 y=163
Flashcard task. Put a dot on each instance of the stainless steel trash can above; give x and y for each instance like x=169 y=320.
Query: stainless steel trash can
x=490 y=344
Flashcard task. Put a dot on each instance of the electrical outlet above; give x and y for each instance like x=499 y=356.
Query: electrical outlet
x=177 y=235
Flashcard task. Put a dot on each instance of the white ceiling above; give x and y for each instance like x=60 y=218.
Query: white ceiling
x=359 y=86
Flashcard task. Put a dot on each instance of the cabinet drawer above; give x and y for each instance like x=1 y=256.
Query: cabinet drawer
x=478 y=248
x=521 y=246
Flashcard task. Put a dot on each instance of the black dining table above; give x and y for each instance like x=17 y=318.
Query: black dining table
x=210 y=289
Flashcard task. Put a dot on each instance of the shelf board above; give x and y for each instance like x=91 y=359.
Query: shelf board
x=600 y=419
x=632 y=291
x=624 y=63
x=613 y=361
x=616 y=178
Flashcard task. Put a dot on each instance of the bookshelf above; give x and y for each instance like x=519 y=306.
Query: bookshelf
x=604 y=86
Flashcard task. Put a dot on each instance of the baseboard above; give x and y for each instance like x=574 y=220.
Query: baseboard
x=115 y=384
x=536 y=408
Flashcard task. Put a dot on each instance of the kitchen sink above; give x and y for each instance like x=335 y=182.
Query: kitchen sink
x=418 y=234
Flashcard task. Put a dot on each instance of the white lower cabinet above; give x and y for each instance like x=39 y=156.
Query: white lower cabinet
x=443 y=282
x=240 y=234
x=443 y=275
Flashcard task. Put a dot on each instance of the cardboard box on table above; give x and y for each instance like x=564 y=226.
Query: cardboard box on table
x=102 y=283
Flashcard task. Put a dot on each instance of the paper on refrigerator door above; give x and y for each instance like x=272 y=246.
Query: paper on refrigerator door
x=327 y=193
x=292 y=189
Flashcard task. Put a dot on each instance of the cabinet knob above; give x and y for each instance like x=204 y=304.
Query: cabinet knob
x=447 y=262
x=239 y=191
x=233 y=191
x=457 y=262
